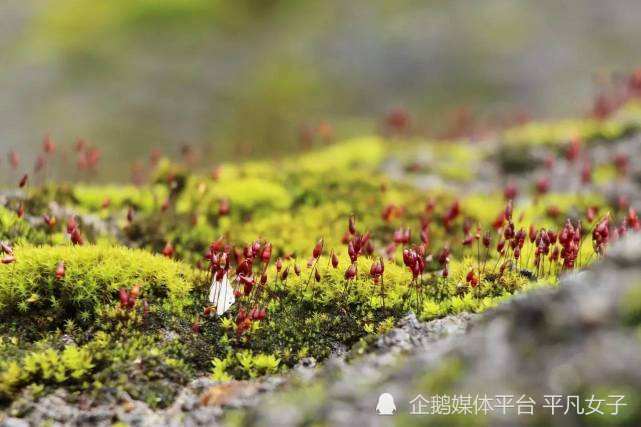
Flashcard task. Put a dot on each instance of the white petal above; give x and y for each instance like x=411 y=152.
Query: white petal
x=221 y=294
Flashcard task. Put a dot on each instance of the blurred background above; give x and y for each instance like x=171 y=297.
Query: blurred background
x=246 y=78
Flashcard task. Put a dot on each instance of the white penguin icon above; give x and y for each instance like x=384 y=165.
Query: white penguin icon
x=385 y=404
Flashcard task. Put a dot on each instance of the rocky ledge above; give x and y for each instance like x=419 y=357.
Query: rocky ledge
x=570 y=355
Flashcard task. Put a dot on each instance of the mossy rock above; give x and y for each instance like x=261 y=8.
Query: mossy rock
x=31 y=296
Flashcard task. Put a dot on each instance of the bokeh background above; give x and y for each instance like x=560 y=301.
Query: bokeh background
x=241 y=78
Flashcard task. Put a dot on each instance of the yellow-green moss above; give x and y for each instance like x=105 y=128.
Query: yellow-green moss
x=30 y=291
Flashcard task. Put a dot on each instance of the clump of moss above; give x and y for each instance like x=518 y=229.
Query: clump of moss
x=18 y=230
x=33 y=297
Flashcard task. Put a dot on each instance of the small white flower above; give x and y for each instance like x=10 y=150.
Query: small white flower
x=221 y=294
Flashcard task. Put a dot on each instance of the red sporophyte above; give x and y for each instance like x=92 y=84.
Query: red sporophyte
x=257 y=313
x=23 y=180
x=266 y=253
x=508 y=232
x=168 y=250
x=604 y=106
x=334 y=260
x=376 y=270
x=397 y=121
x=632 y=220
x=165 y=205
x=223 y=207
x=318 y=249
x=451 y=215
x=76 y=237
x=425 y=235
x=467 y=241
x=510 y=192
x=553 y=211
x=20 y=211
x=196 y=327
x=430 y=205
x=71 y=224
x=39 y=164
x=549 y=161
x=346 y=238
x=586 y=173
x=154 y=156
x=283 y=276
x=469 y=276
x=634 y=82
x=80 y=144
x=8 y=259
x=350 y=273
x=573 y=150
x=467 y=226
x=542 y=185
x=14 y=159
x=472 y=278
x=325 y=130
x=591 y=213
x=297 y=269
x=48 y=146
x=402 y=236
x=137 y=173
x=359 y=244
x=444 y=256
x=414 y=261
x=242 y=325
x=317 y=275
x=532 y=233
x=487 y=240
x=569 y=239
x=601 y=235
x=351 y=225
x=305 y=135
x=507 y=212
x=390 y=212
x=623 y=202
x=621 y=162
x=60 y=270
x=123 y=295
x=499 y=221
x=279 y=264
x=6 y=248
x=49 y=220
x=256 y=248
x=247 y=282
x=445 y=273
x=390 y=249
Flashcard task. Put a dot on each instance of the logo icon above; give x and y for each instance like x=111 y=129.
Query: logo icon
x=385 y=404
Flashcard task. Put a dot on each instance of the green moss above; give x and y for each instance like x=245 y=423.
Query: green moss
x=604 y=174
x=17 y=230
x=247 y=196
x=148 y=350
x=630 y=306
x=558 y=133
x=92 y=197
x=32 y=297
